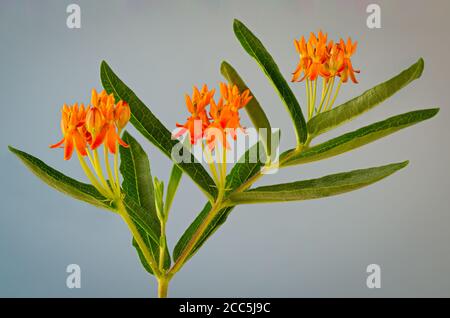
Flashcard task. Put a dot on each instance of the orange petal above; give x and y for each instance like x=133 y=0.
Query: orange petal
x=68 y=148
x=111 y=139
x=58 y=144
x=189 y=105
x=98 y=140
x=80 y=143
x=121 y=142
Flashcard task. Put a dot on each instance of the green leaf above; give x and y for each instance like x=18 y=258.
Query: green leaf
x=147 y=229
x=316 y=188
x=152 y=129
x=57 y=180
x=159 y=195
x=358 y=138
x=256 y=49
x=243 y=170
x=337 y=116
x=137 y=178
x=174 y=181
x=137 y=185
x=253 y=108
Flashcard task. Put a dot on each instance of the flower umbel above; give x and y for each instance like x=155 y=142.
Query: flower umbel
x=86 y=129
x=319 y=58
x=223 y=115
x=110 y=117
x=197 y=107
x=214 y=126
x=72 y=121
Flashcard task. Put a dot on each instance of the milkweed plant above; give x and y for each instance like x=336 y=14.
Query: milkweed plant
x=95 y=132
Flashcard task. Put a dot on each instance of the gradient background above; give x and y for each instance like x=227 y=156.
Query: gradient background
x=160 y=48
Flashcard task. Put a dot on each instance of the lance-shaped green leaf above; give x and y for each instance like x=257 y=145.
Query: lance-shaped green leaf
x=256 y=49
x=146 y=228
x=152 y=129
x=339 y=115
x=138 y=187
x=174 y=181
x=253 y=108
x=137 y=178
x=244 y=169
x=359 y=137
x=61 y=182
x=316 y=188
x=142 y=220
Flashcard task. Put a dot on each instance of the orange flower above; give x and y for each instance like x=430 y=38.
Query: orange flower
x=122 y=114
x=319 y=58
x=305 y=61
x=224 y=115
x=196 y=106
x=335 y=64
x=317 y=50
x=72 y=122
x=105 y=119
x=313 y=55
x=235 y=100
x=100 y=123
x=348 y=49
x=217 y=128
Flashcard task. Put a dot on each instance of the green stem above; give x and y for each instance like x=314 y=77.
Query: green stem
x=314 y=97
x=109 y=171
x=224 y=166
x=91 y=177
x=335 y=95
x=247 y=184
x=324 y=96
x=162 y=246
x=217 y=206
x=99 y=171
x=211 y=164
x=91 y=160
x=116 y=168
x=323 y=89
x=308 y=97
x=163 y=286
x=329 y=94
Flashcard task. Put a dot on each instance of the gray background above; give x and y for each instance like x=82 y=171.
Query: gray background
x=316 y=248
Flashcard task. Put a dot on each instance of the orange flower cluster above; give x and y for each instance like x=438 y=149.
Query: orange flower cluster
x=98 y=123
x=327 y=59
x=222 y=118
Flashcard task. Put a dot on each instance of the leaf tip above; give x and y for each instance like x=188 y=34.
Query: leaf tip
x=223 y=67
x=403 y=164
x=237 y=25
x=435 y=111
x=420 y=66
x=104 y=67
x=13 y=150
x=224 y=64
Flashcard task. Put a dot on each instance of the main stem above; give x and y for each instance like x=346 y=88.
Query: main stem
x=163 y=287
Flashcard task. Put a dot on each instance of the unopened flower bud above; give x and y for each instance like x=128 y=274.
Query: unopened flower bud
x=122 y=114
x=94 y=120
